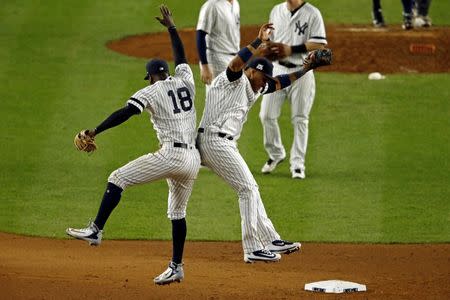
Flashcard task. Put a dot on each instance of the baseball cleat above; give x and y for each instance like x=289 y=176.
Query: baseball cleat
x=270 y=165
x=174 y=273
x=91 y=234
x=283 y=247
x=298 y=174
x=261 y=255
x=422 y=21
x=377 y=19
x=407 y=22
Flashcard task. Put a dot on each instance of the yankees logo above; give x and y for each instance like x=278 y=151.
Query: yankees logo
x=260 y=67
x=301 y=28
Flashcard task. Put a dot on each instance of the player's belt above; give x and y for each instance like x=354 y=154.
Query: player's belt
x=288 y=64
x=228 y=53
x=220 y=134
x=182 y=145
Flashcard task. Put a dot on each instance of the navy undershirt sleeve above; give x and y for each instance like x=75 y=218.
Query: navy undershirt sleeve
x=177 y=47
x=201 y=46
x=118 y=117
x=233 y=76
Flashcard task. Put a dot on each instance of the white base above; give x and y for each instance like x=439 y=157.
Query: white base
x=335 y=286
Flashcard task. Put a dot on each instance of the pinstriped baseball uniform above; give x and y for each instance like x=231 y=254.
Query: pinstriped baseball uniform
x=220 y=19
x=170 y=103
x=305 y=25
x=226 y=108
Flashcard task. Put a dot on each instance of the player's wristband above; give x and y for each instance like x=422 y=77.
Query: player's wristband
x=299 y=48
x=255 y=44
x=245 y=54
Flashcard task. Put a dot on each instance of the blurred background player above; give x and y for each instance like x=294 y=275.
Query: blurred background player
x=299 y=28
x=218 y=36
x=420 y=11
x=377 y=14
x=415 y=14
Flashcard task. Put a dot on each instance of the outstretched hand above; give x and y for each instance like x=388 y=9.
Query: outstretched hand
x=265 y=31
x=166 y=19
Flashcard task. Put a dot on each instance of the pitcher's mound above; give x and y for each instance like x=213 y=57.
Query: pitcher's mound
x=355 y=48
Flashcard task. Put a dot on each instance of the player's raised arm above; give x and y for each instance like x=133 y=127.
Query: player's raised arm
x=237 y=64
x=177 y=44
x=317 y=58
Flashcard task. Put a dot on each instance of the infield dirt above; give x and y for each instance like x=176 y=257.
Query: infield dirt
x=355 y=48
x=40 y=268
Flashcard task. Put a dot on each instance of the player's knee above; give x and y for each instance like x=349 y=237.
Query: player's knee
x=116 y=179
x=265 y=117
x=247 y=191
x=176 y=215
x=300 y=119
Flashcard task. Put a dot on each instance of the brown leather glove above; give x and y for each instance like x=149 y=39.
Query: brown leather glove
x=85 y=141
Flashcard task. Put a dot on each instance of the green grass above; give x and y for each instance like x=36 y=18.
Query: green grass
x=377 y=160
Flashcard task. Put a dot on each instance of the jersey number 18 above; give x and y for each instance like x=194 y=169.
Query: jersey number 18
x=184 y=97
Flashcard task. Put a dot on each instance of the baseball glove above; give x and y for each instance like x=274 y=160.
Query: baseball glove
x=84 y=141
x=318 y=58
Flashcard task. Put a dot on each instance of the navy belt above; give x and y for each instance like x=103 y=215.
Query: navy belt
x=181 y=145
x=288 y=64
x=228 y=53
x=220 y=134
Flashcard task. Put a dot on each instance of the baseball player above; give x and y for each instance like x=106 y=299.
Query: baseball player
x=170 y=102
x=300 y=29
x=228 y=101
x=218 y=36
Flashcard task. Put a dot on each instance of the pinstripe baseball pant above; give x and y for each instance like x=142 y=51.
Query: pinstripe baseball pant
x=301 y=95
x=222 y=156
x=178 y=165
x=218 y=61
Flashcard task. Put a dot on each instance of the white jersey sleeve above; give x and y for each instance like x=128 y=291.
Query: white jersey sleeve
x=184 y=72
x=207 y=17
x=142 y=99
x=317 y=30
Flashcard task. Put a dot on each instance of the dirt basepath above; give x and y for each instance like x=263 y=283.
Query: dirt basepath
x=39 y=268
x=355 y=48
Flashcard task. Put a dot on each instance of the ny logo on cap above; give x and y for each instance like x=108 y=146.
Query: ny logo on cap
x=260 y=67
x=161 y=68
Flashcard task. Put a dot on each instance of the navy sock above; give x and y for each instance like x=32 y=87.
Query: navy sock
x=423 y=6
x=179 y=231
x=407 y=6
x=110 y=200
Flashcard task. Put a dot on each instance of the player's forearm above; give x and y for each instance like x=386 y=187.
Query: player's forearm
x=201 y=46
x=177 y=46
x=117 y=118
x=244 y=55
x=306 y=47
x=283 y=81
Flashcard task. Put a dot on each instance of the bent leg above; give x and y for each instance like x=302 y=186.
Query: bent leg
x=224 y=159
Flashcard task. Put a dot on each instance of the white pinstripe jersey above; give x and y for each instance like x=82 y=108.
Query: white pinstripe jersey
x=306 y=25
x=227 y=105
x=170 y=103
x=221 y=20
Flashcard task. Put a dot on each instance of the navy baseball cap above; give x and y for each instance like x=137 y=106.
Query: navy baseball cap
x=156 y=66
x=262 y=64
